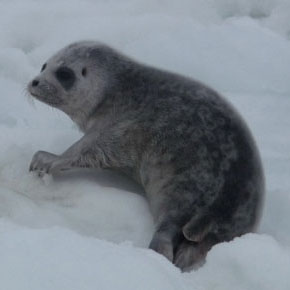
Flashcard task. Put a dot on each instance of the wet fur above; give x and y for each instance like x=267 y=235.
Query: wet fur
x=185 y=144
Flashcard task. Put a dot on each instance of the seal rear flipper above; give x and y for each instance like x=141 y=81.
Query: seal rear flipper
x=191 y=255
x=163 y=246
x=197 y=228
x=166 y=239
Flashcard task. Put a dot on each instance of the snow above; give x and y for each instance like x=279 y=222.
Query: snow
x=90 y=230
x=80 y=264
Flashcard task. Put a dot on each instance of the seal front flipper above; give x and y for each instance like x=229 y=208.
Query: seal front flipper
x=41 y=162
x=85 y=153
x=47 y=163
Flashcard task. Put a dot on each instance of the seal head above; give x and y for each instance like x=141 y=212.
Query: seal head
x=66 y=76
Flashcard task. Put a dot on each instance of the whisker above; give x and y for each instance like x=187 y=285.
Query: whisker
x=28 y=96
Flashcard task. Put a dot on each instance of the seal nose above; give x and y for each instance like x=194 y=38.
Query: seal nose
x=35 y=83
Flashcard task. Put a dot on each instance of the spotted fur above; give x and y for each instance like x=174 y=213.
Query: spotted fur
x=184 y=143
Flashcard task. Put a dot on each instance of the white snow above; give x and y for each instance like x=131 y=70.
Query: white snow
x=91 y=230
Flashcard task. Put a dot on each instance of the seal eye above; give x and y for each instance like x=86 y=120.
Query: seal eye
x=66 y=77
x=84 y=72
x=43 y=67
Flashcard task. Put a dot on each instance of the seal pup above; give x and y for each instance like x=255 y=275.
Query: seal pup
x=183 y=142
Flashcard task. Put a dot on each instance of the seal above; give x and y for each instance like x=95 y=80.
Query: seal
x=184 y=143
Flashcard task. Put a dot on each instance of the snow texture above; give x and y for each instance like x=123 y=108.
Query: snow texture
x=90 y=230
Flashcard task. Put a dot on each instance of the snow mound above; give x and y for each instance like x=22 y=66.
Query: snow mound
x=56 y=258
x=60 y=259
x=251 y=262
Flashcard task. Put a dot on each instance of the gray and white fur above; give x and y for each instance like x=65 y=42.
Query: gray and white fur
x=186 y=145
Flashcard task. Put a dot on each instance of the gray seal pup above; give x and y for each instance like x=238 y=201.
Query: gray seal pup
x=184 y=143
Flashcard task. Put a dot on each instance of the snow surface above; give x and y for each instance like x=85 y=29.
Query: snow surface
x=90 y=230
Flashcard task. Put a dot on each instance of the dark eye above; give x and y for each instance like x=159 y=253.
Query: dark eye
x=43 y=67
x=84 y=72
x=66 y=77
x=64 y=74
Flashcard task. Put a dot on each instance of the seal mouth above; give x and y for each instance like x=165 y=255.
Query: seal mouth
x=49 y=100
